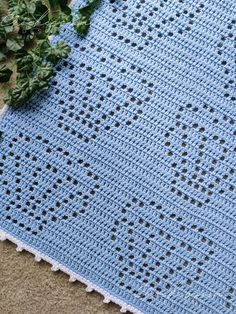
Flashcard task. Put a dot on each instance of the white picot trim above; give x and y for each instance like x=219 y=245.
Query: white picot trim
x=20 y=246
x=37 y=258
x=54 y=268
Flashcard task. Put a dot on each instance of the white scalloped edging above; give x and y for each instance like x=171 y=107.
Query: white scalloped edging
x=20 y=246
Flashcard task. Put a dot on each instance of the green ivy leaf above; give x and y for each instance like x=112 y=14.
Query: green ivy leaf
x=44 y=75
x=54 y=54
x=5 y=74
x=26 y=24
x=56 y=21
x=2 y=57
x=61 y=14
x=82 y=22
x=62 y=50
x=16 y=7
x=15 y=97
x=86 y=11
x=82 y=25
x=15 y=43
x=7 y=24
x=60 y=5
x=24 y=62
x=31 y=7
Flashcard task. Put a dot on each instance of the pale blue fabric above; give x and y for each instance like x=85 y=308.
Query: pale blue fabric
x=124 y=171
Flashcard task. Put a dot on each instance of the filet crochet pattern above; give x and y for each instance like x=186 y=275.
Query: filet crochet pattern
x=122 y=174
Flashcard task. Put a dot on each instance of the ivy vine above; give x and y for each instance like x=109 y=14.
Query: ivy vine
x=25 y=28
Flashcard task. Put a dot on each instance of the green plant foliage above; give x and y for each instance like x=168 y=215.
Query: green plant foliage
x=35 y=68
x=24 y=33
x=61 y=14
x=82 y=23
x=16 y=43
x=5 y=74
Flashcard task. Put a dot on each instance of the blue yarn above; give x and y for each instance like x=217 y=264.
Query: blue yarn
x=124 y=170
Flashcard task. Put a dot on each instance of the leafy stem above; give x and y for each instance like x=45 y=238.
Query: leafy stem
x=24 y=32
x=82 y=23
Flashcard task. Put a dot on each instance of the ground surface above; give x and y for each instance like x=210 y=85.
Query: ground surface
x=28 y=287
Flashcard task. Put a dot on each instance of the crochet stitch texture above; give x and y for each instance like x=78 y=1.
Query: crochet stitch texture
x=124 y=171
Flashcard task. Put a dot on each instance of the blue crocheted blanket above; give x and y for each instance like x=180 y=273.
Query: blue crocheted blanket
x=123 y=173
